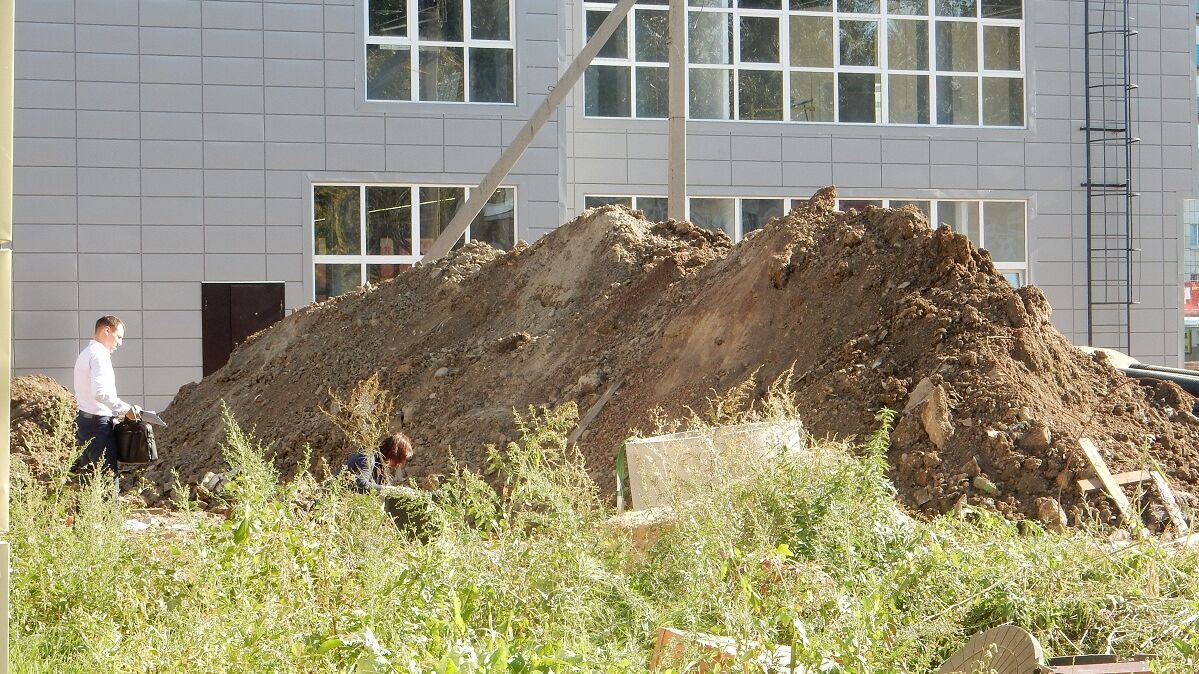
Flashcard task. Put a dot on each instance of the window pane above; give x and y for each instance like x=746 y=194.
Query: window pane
x=858 y=97
x=388 y=221
x=653 y=92
x=1003 y=9
x=1003 y=226
x=377 y=273
x=489 y=20
x=388 y=73
x=909 y=99
x=388 y=17
x=652 y=27
x=724 y=4
x=653 y=207
x=335 y=222
x=812 y=41
x=617 y=46
x=859 y=43
x=606 y=91
x=440 y=72
x=957 y=46
x=717 y=215
x=907 y=44
x=910 y=7
x=596 y=202
x=491 y=75
x=957 y=100
x=1003 y=101
x=711 y=93
x=760 y=4
x=440 y=20
x=859 y=6
x=761 y=94
x=437 y=208
x=711 y=37
x=336 y=279
x=496 y=224
x=759 y=39
x=812 y=97
x=1001 y=47
x=858 y=204
x=961 y=216
x=1014 y=277
x=812 y=5
x=924 y=207
x=957 y=8
x=755 y=213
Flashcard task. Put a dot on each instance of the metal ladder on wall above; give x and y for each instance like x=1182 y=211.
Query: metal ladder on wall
x=1109 y=160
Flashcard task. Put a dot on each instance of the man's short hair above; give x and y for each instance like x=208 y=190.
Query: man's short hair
x=396 y=447
x=108 y=321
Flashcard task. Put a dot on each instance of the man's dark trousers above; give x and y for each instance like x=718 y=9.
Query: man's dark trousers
x=99 y=441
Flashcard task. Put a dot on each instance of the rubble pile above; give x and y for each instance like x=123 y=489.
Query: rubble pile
x=869 y=309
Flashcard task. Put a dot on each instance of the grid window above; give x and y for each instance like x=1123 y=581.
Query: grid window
x=999 y=226
x=919 y=62
x=447 y=51
x=369 y=233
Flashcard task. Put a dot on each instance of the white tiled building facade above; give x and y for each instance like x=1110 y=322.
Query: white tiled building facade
x=164 y=144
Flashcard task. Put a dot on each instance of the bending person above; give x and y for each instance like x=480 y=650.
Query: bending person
x=369 y=469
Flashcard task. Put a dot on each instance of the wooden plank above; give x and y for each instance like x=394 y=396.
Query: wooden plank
x=1108 y=481
x=1131 y=477
x=1171 y=503
x=1101 y=668
x=594 y=411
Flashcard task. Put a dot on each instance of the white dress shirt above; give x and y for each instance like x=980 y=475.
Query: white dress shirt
x=95 y=383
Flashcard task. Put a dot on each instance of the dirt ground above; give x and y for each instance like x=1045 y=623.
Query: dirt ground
x=871 y=309
x=33 y=400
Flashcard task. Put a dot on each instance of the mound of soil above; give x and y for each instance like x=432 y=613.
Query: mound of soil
x=870 y=309
x=33 y=400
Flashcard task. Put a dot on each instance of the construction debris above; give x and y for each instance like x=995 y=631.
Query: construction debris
x=862 y=307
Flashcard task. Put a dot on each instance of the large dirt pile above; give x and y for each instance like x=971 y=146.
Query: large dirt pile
x=871 y=309
x=34 y=400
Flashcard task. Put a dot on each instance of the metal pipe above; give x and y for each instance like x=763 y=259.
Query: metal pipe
x=1086 y=90
x=467 y=213
x=7 y=34
x=676 y=145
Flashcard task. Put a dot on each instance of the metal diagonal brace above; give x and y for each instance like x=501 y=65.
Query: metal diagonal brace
x=482 y=194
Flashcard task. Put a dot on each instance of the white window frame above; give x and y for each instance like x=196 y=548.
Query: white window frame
x=882 y=70
x=1020 y=269
x=413 y=43
x=363 y=259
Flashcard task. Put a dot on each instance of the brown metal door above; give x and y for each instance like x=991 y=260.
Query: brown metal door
x=231 y=312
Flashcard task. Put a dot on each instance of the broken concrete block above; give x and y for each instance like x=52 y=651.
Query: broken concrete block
x=934 y=417
x=1051 y=514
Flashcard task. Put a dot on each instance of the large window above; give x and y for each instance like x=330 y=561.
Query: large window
x=999 y=226
x=440 y=50
x=368 y=233
x=934 y=62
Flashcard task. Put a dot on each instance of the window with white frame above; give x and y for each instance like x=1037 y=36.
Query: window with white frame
x=369 y=233
x=926 y=62
x=449 y=51
x=999 y=226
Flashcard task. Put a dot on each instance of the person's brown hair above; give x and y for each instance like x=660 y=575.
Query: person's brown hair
x=109 y=321
x=396 y=447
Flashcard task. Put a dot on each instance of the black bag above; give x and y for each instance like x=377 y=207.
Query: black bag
x=135 y=442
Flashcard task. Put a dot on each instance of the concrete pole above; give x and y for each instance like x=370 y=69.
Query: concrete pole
x=7 y=28
x=676 y=143
x=474 y=205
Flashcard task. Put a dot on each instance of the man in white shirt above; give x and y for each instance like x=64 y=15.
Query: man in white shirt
x=96 y=397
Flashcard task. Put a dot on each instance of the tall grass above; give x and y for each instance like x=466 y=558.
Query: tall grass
x=806 y=549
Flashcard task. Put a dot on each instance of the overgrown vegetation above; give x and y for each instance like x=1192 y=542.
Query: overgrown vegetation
x=805 y=549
